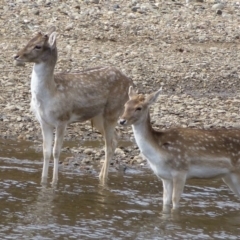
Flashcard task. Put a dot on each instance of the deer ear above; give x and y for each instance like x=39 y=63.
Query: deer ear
x=153 y=97
x=51 y=30
x=52 y=40
x=131 y=92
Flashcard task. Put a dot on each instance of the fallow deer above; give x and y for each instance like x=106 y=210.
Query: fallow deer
x=176 y=155
x=96 y=94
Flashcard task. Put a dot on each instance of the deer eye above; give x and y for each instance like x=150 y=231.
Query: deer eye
x=138 y=109
x=37 y=47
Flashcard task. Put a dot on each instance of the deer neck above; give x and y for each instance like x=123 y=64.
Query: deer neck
x=143 y=133
x=42 y=82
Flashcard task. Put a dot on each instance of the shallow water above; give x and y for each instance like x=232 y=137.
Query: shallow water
x=129 y=207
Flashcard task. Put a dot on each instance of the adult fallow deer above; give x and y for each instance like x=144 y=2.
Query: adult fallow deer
x=176 y=155
x=96 y=94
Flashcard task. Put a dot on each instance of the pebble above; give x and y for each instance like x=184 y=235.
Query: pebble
x=95 y=1
x=218 y=6
x=219 y=12
x=119 y=151
x=36 y=12
x=88 y=151
x=135 y=9
x=69 y=26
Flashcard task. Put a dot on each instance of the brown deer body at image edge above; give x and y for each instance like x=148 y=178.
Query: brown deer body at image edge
x=176 y=155
x=96 y=94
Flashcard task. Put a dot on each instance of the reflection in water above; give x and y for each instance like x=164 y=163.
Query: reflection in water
x=40 y=211
x=128 y=207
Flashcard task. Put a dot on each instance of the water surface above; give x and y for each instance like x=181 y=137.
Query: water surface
x=128 y=207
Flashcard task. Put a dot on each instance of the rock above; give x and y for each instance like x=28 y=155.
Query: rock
x=116 y=6
x=131 y=16
x=69 y=27
x=119 y=152
x=134 y=2
x=219 y=12
x=86 y=160
x=88 y=151
x=95 y=1
x=218 y=6
x=135 y=9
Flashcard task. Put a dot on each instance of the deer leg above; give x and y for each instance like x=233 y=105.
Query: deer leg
x=110 y=145
x=47 y=133
x=167 y=195
x=233 y=182
x=59 y=135
x=107 y=129
x=179 y=180
x=97 y=122
x=167 y=191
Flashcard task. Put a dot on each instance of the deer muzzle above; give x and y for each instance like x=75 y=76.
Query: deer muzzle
x=122 y=121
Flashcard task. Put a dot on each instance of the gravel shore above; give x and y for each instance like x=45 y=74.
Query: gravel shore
x=191 y=50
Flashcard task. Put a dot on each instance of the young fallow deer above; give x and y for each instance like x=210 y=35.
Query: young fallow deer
x=176 y=155
x=96 y=94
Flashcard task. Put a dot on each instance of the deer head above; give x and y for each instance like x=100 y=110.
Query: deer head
x=38 y=48
x=136 y=108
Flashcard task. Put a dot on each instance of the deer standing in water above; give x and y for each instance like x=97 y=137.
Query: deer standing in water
x=176 y=155
x=96 y=94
